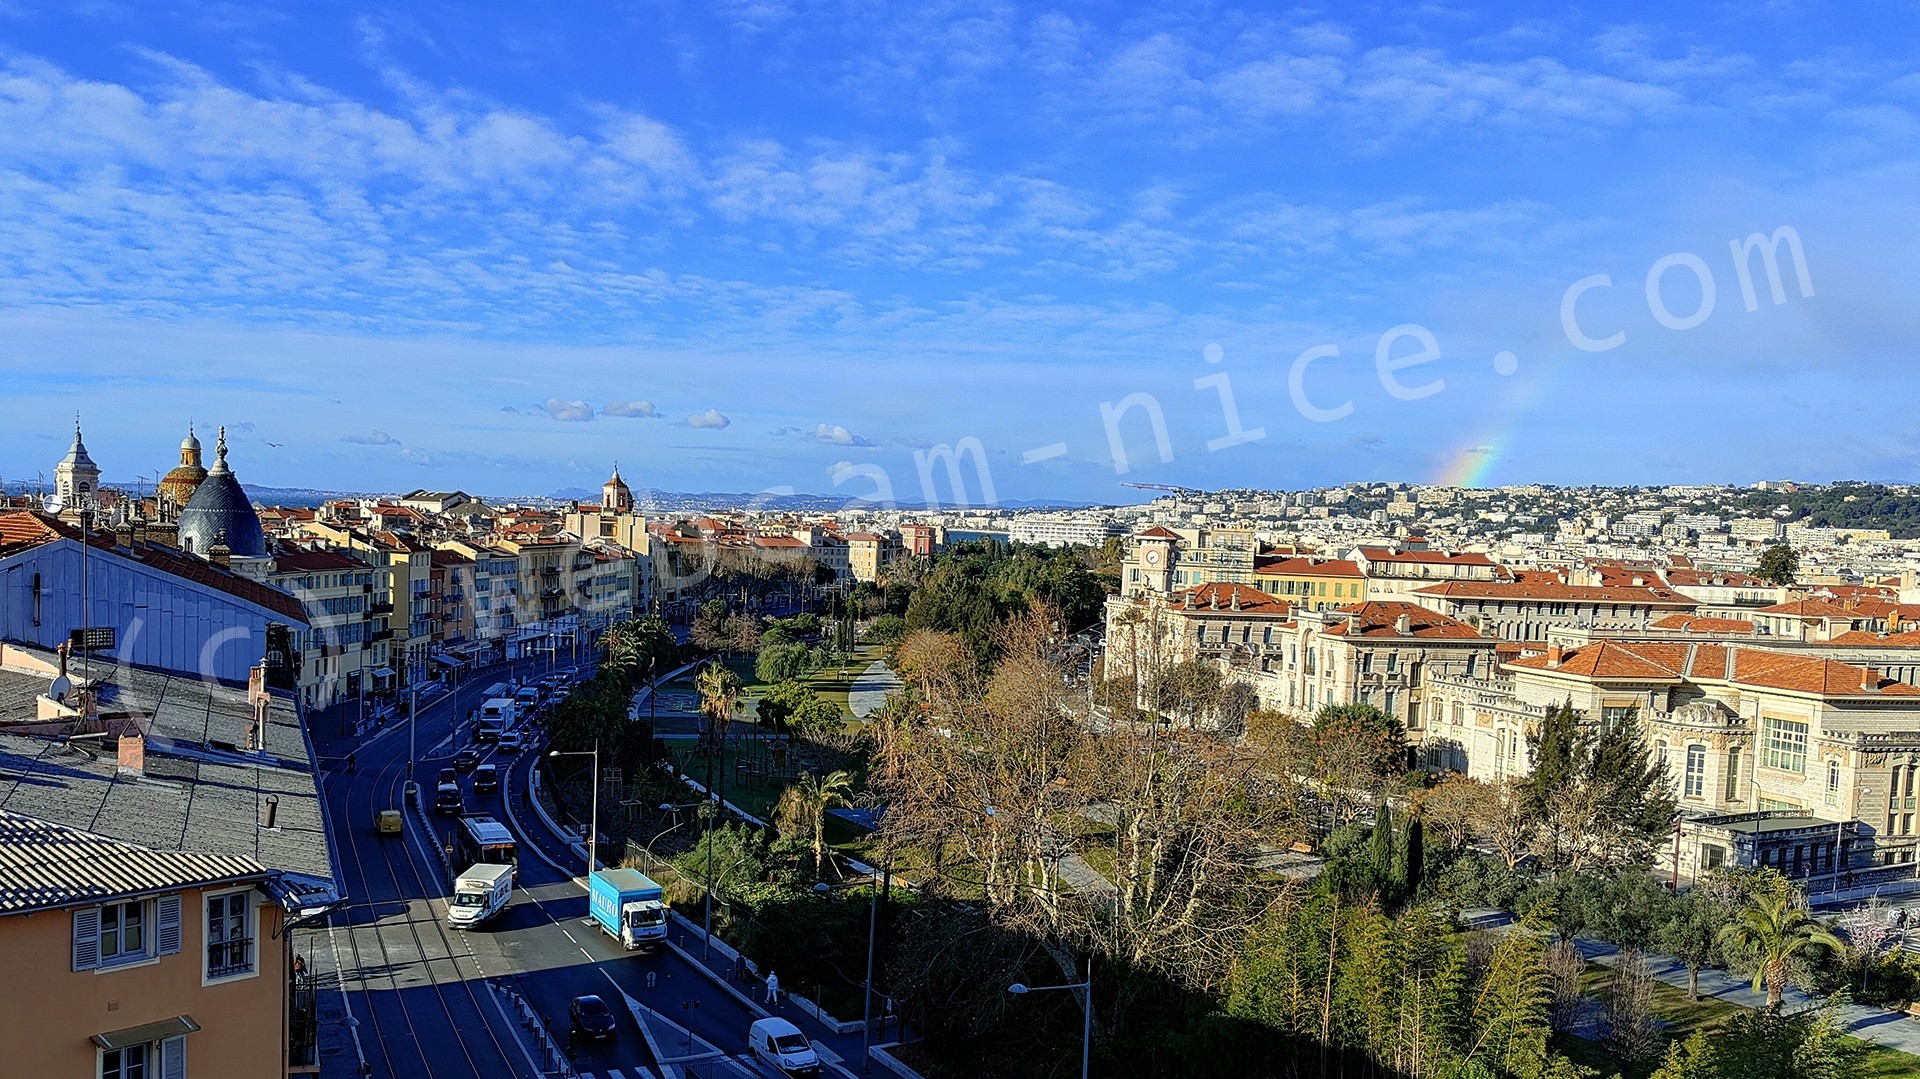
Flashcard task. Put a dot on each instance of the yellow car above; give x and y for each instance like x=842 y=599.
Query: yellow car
x=387 y=822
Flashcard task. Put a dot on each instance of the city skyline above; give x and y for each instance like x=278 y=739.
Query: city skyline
x=736 y=251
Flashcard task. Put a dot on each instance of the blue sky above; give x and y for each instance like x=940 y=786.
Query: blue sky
x=756 y=245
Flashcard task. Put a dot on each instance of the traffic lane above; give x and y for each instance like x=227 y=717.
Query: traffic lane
x=428 y=997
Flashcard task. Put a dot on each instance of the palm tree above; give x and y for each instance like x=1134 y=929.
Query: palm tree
x=806 y=804
x=719 y=693
x=1775 y=932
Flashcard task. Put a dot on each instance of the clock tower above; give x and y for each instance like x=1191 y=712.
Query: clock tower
x=1153 y=551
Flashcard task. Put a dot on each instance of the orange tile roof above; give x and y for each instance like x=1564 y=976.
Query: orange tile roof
x=1660 y=661
x=1699 y=623
x=1157 y=532
x=1381 y=554
x=1377 y=618
x=1252 y=600
x=1308 y=567
x=1813 y=608
x=1531 y=589
x=1861 y=638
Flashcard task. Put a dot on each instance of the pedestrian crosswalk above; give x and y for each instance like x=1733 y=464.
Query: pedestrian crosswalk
x=636 y=1071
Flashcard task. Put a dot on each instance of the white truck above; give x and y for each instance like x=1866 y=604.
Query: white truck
x=478 y=894
x=496 y=717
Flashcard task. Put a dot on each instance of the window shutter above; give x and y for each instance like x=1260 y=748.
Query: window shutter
x=86 y=938
x=166 y=933
x=173 y=1058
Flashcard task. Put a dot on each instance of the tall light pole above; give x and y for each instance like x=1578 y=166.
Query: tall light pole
x=1086 y=1030
x=866 y=1005
x=593 y=820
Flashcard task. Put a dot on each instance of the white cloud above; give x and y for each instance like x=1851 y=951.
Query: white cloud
x=835 y=435
x=377 y=438
x=635 y=409
x=568 y=411
x=711 y=418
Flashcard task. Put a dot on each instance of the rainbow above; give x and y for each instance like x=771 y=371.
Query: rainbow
x=1470 y=465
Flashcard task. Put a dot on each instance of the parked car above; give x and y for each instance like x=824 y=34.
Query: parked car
x=466 y=760
x=591 y=1018
x=486 y=780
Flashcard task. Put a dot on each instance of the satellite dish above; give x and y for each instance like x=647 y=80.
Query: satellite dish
x=54 y=505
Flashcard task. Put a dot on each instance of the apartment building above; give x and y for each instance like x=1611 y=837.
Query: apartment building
x=346 y=637
x=1797 y=762
x=1161 y=559
x=1396 y=573
x=142 y=963
x=494 y=601
x=1311 y=584
x=868 y=553
x=1377 y=652
x=151 y=875
x=1527 y=609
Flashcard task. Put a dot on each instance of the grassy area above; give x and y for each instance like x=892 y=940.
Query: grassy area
x=1684 y=1016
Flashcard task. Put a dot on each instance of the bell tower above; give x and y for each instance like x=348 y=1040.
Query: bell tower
x=76 y=478
x=615 y=497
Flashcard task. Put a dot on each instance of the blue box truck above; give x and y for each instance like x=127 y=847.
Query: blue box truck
x=629 y=906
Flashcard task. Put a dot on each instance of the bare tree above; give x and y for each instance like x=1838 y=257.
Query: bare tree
x=1635 y=1032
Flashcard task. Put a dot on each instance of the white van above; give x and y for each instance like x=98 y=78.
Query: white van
x=779 y=1045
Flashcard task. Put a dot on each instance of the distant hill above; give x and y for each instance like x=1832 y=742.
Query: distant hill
x=647 y=498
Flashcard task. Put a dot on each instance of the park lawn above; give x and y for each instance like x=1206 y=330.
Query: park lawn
x=1684 y=1016
x=834 y=681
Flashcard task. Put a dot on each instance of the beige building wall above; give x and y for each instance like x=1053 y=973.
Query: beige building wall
x=53 y=1011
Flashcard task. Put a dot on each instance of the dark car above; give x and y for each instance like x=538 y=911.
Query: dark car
x=447 y=775
x=446 y=799
x=591 y=1018
x=466 y=760
x=486 y=780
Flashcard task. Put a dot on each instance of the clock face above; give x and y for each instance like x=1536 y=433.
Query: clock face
x=1152 y=557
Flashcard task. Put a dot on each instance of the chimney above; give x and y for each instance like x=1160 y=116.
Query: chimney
x=1556 y=655
x=1236 y=599
x=269 y=809
x=1403 y=626
x=1186 y=601
x=1639 y=581
x=1213 y=599
x=133 y=753
x=1869 y=680
x=220 y=555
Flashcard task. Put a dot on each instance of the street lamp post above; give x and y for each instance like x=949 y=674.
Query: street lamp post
x=593 y=819
x=866 y=989
x=1086 y=1030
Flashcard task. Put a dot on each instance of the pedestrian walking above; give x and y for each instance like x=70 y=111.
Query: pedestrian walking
x=773 y=988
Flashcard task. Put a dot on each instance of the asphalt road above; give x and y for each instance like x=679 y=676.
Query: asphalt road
x=414 y=986
x=417 y=988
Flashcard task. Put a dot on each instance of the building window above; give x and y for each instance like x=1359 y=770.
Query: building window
x=123 y=932
x=229 y=935
x=128 y=1063
x=1833 y=782
x=1785 y=745
x=165 y=1059
x=1696 y=785
x=1733 y=774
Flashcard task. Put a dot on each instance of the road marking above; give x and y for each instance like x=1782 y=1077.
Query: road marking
x=615 y=1073
x=569 y=936
x=588 y=954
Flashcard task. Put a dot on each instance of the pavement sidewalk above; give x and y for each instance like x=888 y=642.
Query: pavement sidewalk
x=1864 y=1021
